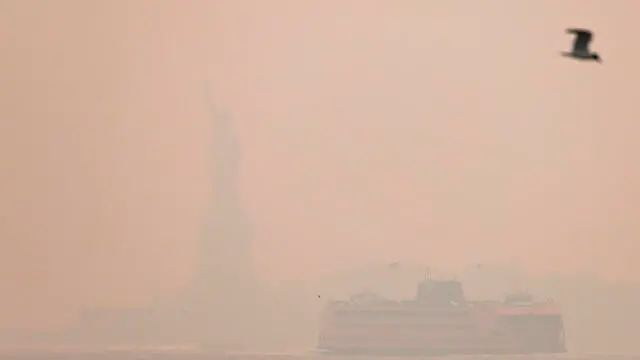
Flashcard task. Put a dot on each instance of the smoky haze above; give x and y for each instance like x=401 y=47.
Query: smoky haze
x=440 y=132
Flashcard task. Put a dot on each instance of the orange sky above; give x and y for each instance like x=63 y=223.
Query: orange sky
x=432 y=131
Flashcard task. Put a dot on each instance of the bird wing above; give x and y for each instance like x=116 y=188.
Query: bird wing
x=582 y=40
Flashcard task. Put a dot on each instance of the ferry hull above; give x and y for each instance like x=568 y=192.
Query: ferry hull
x=450 y=325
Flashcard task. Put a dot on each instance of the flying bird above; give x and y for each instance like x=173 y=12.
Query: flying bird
x=580 y=49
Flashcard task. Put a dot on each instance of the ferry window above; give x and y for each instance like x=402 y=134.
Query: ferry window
x=549 y=320
x=514 y=321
